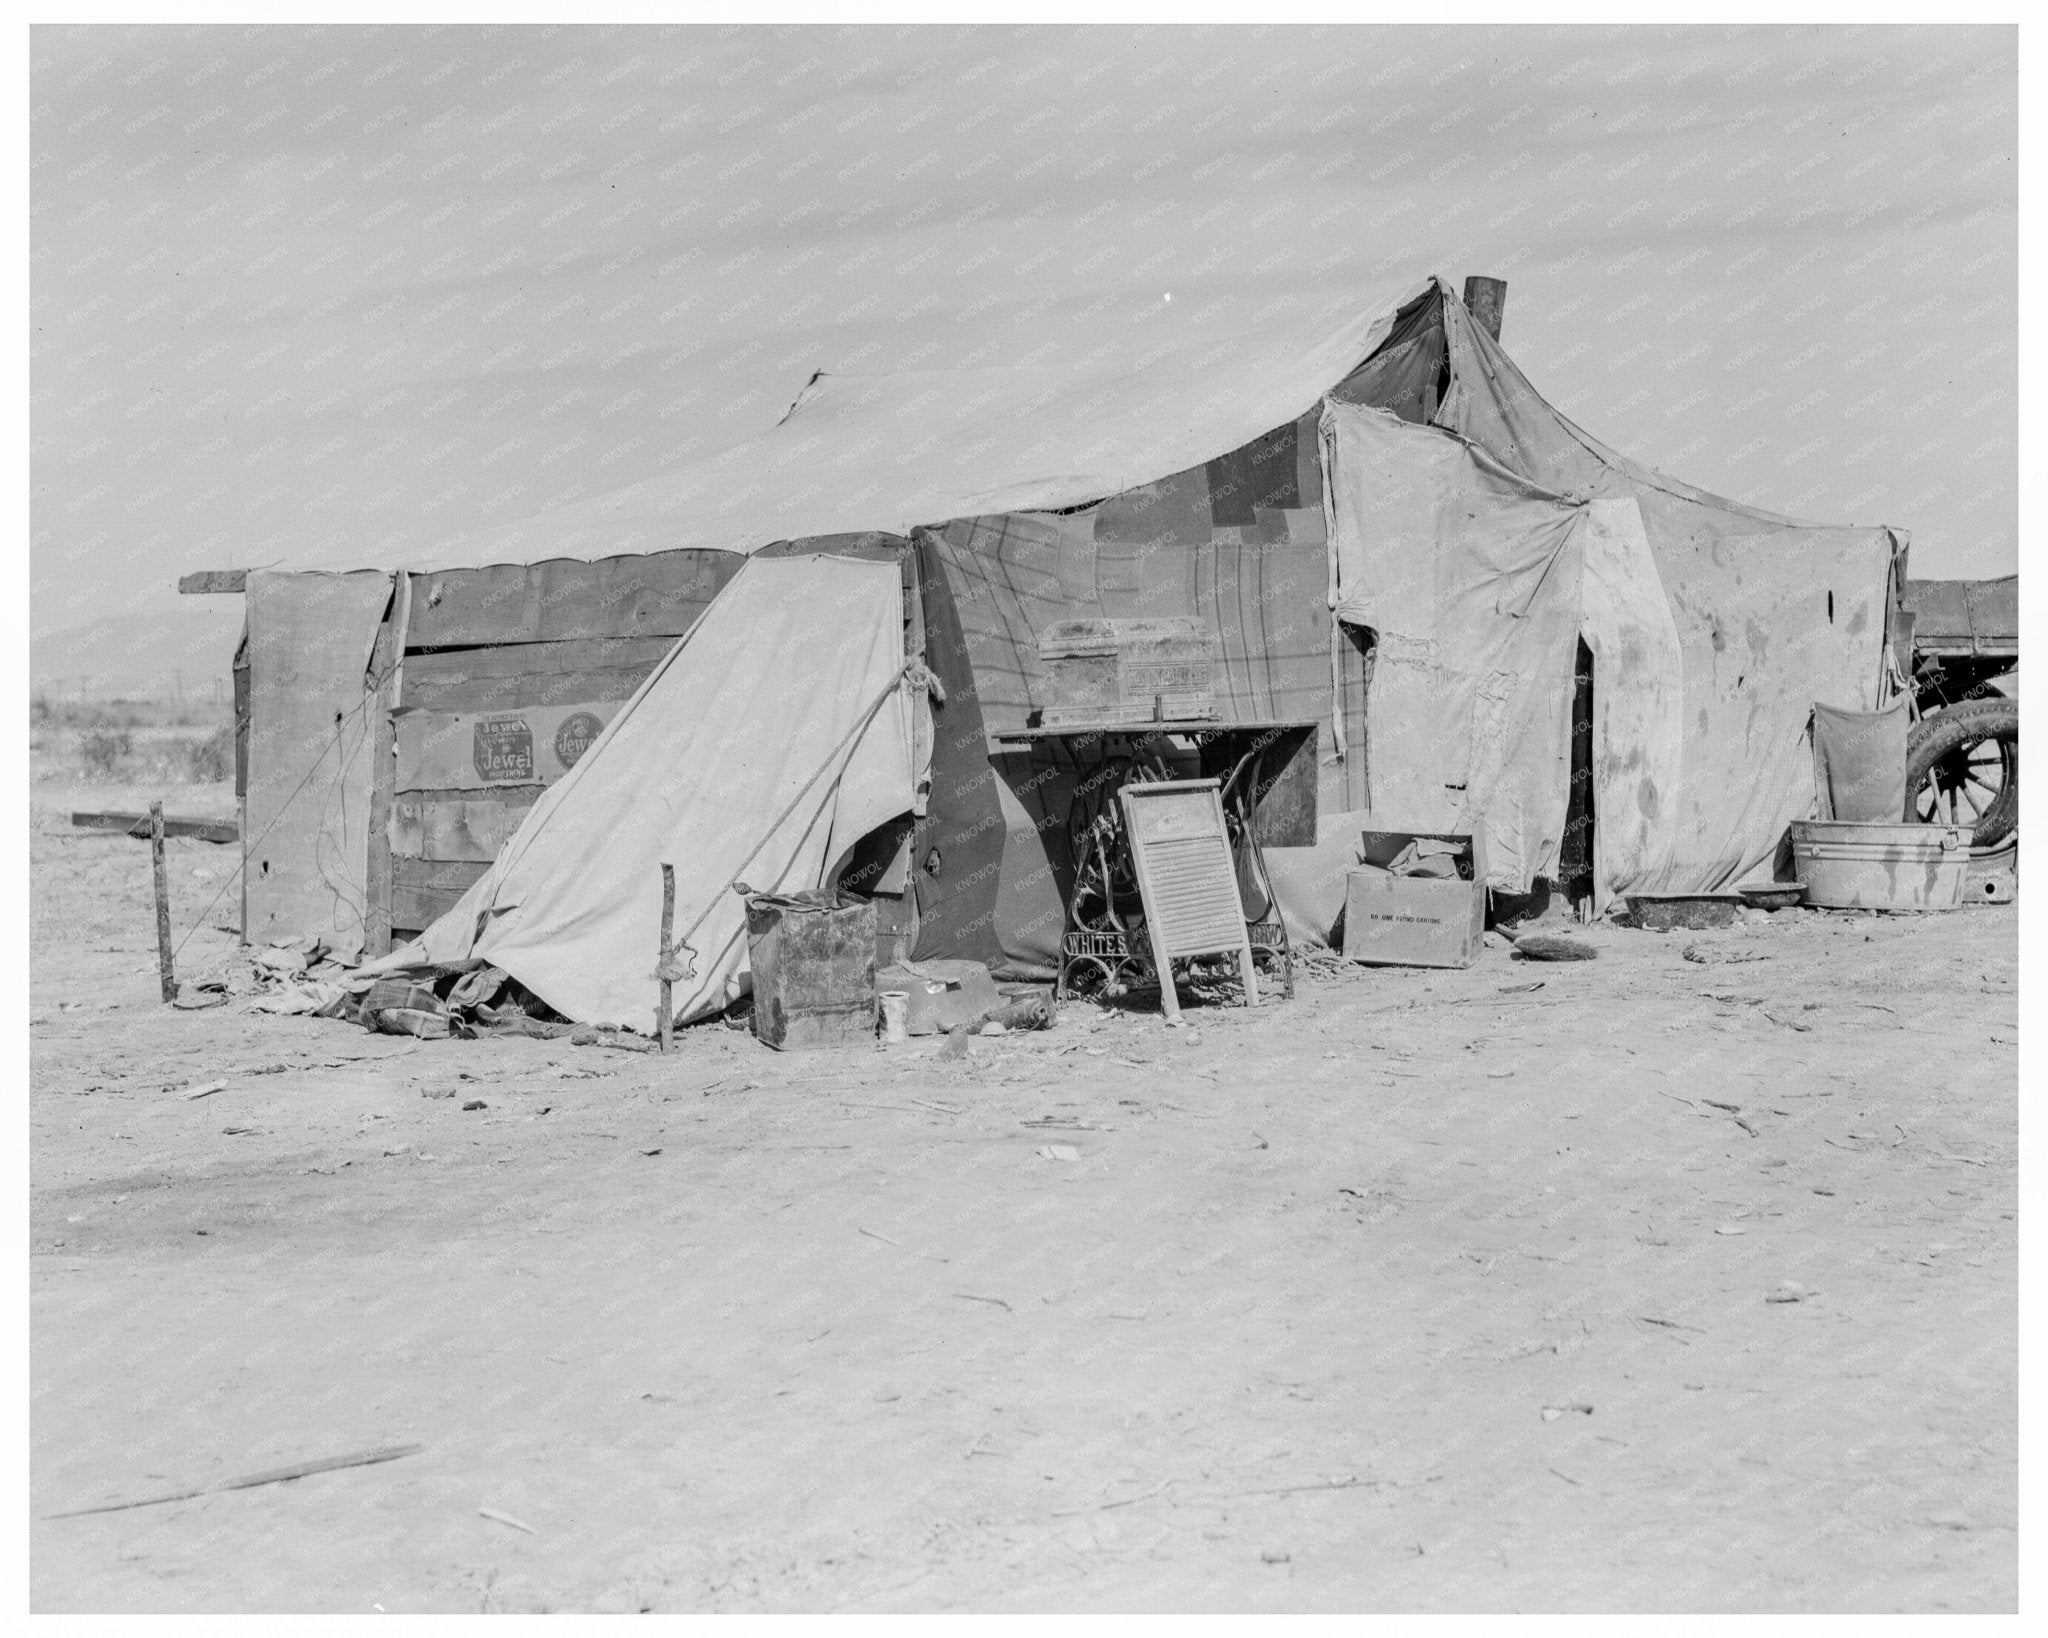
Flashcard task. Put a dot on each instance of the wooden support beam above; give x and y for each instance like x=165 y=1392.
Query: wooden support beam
x=1487 y=301
x=384 y=656
x=138 y=824
x=165 y=977
x=207 y=582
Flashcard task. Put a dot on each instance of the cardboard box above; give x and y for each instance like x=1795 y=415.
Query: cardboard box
x=1415 y=921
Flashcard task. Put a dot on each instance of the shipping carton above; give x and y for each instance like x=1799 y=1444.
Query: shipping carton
x=1415 y=921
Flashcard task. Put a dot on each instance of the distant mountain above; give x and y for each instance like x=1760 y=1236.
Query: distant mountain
x=184 y=648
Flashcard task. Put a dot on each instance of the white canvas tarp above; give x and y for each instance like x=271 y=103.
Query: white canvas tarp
x=1469 y=576
x=778 y=733
x=1639 y=720
x=1711 y=650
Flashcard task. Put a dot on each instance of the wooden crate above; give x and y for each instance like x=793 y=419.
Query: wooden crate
x=1161 y=670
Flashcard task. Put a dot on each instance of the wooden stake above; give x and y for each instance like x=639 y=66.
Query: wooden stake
x=163 y=903
x=668 y=928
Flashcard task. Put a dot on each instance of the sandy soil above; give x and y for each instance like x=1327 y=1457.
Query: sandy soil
x=735 y=1330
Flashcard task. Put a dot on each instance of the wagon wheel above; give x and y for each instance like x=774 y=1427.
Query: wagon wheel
x=1963 y=768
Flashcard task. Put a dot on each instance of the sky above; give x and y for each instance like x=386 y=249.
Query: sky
x=324 y=298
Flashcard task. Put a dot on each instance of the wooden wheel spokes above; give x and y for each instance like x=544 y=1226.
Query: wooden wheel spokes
x=1962 y=787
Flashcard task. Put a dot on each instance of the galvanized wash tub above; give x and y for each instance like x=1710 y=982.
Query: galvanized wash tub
x=1881 y=867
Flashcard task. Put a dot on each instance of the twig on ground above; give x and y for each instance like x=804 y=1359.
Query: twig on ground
x=1352 y=1482
x=1104 y=1507
x=277 y=1475
x=506 y=1518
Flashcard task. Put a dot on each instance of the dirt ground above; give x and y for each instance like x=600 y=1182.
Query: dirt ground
x=1422 y=1291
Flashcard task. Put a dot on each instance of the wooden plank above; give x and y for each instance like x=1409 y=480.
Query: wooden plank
x=1487 y=301
x=424 y=890
x=452 y=875
x=486 y=750
x=657 y=595
x=209 y=582
x=310 y=736
x=424 y=905
x=515 y=675
x=137 y=824
x=241 y=679
x=458 y=825
x=383 y=768
x=241 y=675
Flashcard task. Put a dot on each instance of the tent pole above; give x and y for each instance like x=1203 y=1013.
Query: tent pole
x=668 y=927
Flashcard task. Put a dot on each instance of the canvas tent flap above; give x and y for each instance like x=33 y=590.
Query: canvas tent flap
x=994 y=869
x=1768 y=623
x=1859 y=763
x=1469 y=577
x=1712 y=636
x=1638 y=701
x=1770 y=615
x=306 y=819
x=1490 y=402
x=775 y=736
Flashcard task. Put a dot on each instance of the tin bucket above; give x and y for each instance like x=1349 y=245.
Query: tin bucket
x=1881 y=867
x=895 y=1016
x=814 y=972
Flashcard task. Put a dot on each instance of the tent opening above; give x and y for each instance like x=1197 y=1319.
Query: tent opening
x=877 y=868
x=1575 y=854
x=1364 y=642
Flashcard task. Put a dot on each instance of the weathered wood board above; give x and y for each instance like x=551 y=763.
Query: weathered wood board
x=475 y=750
x=458 y=825
x=658 y=595
x=423 y=890
x=214 y=583
x=517 y=675
x=383 y=675
x=137 y=824
x=305 y=824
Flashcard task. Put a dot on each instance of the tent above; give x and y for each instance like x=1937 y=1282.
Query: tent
x=1389 y=530
x=773 y=738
